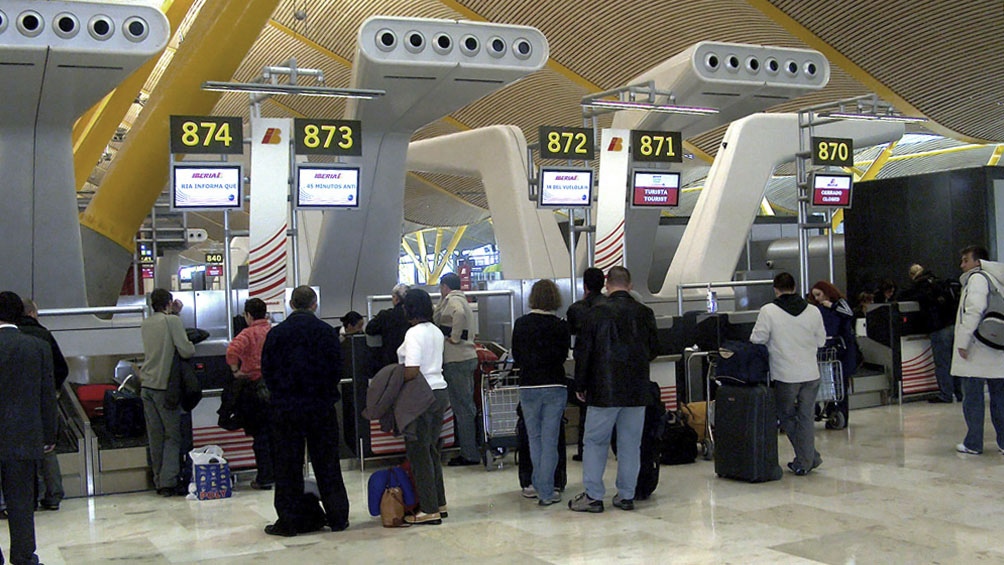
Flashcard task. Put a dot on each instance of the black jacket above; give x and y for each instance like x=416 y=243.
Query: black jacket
x=612 y=352
x=939 y=309
x=30 y=326
x=28 y=401
x=579 y=309
x=301 y=364
x=391 y=325
x=539 y=348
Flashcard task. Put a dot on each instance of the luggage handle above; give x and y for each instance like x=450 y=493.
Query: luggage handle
x=124 y=382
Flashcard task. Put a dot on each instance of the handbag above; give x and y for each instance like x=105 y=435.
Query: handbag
x=392 y=507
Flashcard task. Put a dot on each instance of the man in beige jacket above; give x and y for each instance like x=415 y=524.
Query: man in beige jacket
x=454 y=316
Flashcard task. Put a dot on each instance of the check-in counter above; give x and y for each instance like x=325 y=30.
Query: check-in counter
x=896 y=339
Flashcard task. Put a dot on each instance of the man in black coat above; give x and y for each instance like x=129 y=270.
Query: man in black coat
x=27 y=423
x=50 y=477
x=391 y=325
x=301 y=365
x=617 y=341
x=592 y=285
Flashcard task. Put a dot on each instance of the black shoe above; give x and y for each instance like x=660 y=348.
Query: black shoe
x=940 y=400
x=49 y=506
x=166 y=491
x=577 y=457
x=278 y=529
x=800 y=472
x=460 y=461
x=339 y=527
x=3 y=514
x=261 y=486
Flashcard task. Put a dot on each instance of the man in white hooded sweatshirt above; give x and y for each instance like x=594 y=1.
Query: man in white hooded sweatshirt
x=973 y=361
x=792 y=332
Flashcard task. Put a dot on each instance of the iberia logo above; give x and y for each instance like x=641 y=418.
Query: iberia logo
x=273 y=136
x=616 y=144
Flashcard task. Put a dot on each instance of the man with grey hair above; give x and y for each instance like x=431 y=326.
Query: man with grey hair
x=390 y=324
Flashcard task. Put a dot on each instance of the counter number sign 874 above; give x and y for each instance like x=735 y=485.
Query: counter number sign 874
x=207 y=134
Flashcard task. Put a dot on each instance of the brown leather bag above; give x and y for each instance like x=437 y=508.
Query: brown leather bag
x=392 y=507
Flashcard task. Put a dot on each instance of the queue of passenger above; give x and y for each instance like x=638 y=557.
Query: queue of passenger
x=299 y=363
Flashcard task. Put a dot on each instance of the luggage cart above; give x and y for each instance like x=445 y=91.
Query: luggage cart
x=499 y=399
x=831 y=386
x=708 y=443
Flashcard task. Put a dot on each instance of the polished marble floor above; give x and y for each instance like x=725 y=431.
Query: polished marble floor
x=892 y=489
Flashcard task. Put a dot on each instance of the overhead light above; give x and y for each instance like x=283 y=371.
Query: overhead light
x=882 y=117
x=650 y=107
x=292 y=89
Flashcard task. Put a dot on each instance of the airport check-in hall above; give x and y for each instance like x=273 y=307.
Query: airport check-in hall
x=276 y=164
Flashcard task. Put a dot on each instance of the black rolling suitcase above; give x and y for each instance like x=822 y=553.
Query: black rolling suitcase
x=746 y=434
x=124 y=412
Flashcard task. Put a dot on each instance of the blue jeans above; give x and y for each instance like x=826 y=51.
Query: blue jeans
x=600 y=421
x=973 y=407
x=459 y=377
x=942 y=344
x=543 y=409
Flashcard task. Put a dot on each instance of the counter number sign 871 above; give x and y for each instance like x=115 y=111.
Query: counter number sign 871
x=328 y=137
x=207 y=134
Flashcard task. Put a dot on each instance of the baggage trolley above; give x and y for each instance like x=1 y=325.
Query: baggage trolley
x=499 y=399
x=708 y=443
x=831 y=386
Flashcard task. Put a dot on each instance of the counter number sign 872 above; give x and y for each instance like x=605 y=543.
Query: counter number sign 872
x=328 y=137
x=207 y=134
x=566 y=143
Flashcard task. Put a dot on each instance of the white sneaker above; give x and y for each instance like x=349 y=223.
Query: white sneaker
x=961 y=448
x=529 y=492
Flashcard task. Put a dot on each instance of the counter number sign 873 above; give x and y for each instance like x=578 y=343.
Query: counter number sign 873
x=220 y=135
x=328 y=137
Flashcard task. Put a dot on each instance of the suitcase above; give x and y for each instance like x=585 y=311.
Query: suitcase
x=746 y=434
x=124 y=412
x=92 y=398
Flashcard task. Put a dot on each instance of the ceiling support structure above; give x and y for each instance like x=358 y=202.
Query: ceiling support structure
x=96 y=127
x=140 y=171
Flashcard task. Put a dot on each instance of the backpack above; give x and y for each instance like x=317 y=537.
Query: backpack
x=990 y=331
x=744 y=362
x=947 y=293
x=678 y=443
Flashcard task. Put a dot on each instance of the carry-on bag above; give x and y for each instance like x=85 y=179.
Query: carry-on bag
x=746 y=434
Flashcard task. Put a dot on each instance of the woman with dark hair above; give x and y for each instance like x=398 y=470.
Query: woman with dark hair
x=540 y=342
x=838 y=319
x=422 y=357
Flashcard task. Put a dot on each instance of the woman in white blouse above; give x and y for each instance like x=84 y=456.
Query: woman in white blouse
x=422 y=357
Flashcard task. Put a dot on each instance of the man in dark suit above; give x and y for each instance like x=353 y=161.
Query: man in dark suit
x=27 y=423
x=301 y=365
x=50 y=479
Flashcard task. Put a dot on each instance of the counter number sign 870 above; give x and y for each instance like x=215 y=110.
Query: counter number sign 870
x=207 y=134
x=328 y=137
x=566 y=143
x=836 y=151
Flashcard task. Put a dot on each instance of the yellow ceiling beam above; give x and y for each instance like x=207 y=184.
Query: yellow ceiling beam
x=996 y=157
x=309 y=42
x=457 y=236
x=139 y=173
x=876 y=166
x=95 y=128
x=419 y=264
